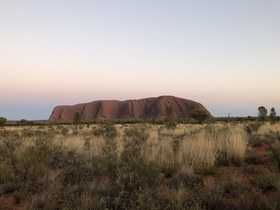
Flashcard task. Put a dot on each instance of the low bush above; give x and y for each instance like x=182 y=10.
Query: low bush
x=267 y=181
x=107 y=130
x=254 y=159
x=275 y=150
x=8 y=188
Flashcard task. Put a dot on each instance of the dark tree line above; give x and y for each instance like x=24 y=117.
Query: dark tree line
x=263 y=114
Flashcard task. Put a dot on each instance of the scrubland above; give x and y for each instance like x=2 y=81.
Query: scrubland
x=140 y=166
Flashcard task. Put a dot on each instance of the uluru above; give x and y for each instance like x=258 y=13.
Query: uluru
x=147 y=108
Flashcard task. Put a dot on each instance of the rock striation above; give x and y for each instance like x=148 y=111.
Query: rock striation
x=147 y=108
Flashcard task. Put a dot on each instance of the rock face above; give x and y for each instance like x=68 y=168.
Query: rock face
x=151 y=108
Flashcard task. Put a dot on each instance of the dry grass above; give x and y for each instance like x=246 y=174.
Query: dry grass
x=166 y=165
x=268 y=129
x=196 y=146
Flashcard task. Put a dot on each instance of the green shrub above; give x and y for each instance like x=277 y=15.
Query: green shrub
x=26 y=163
x=170 y=124
x=275 y=150
x=252 y=128
x=187 y=180
x=64 y=131
x=267 y=181
x=106 y=130
x=137 y=134
x=108 y=162
x=257 y=141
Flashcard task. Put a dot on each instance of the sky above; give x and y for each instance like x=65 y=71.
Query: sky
x=224 y=54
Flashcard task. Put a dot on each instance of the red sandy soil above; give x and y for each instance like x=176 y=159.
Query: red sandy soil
x=209 y=180
x=262 y=149
x=7 y=203
x=271 y=196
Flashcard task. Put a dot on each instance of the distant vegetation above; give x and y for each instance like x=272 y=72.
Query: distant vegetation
x=199 y=115
x=24 y=122
x=262 y=113
x=2 y=121
x=272 y=115
x=76 y=120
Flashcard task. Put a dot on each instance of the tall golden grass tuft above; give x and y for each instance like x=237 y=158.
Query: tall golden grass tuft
x=196 y=146
x=198 y=152
x=268 y=129
x=233 y=143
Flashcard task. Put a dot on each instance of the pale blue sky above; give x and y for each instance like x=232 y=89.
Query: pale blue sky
x=224 y=54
